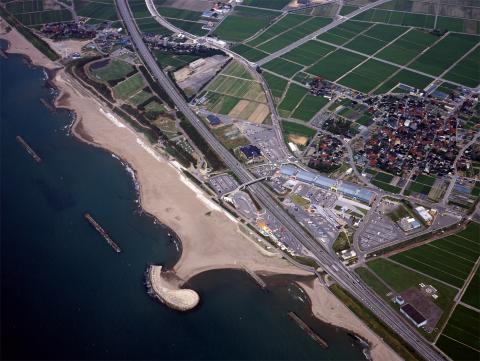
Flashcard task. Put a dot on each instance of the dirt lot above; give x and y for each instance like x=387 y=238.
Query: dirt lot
x=193 y=5
x=298 y=139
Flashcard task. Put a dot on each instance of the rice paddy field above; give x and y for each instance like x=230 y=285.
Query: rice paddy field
x=234 y=92
x=101 y=10
x=35 y=13
x=244 y=22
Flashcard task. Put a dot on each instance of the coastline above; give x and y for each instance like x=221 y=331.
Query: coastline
x=165 y=194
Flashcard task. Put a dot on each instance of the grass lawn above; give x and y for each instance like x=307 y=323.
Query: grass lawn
x=295 y=128
x=385 y=186
x=400 y=279
x=372 y=281
x=141 y=97
x=128 y=87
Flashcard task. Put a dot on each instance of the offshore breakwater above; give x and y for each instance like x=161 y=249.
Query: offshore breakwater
x=85 y=301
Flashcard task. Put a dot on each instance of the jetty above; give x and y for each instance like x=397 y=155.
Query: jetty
x=308 y=330
x=29 y=149
x=255 y=277
x=177 y=299
x=47 y=105
x=102 y=232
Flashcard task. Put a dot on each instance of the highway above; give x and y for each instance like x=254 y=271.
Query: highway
x=331 y=264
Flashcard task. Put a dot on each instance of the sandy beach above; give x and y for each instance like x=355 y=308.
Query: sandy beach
x=210 y=239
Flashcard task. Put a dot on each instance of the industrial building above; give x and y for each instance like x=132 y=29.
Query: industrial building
x=347 y=189
x=413 y=315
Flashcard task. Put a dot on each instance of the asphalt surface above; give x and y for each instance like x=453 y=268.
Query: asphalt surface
x=346 y=278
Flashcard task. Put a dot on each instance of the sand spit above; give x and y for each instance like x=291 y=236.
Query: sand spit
x=210 y=239
x=178 y=299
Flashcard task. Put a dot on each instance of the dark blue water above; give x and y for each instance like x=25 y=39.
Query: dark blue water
x=66 y=295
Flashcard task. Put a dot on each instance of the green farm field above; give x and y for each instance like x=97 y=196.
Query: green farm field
x=472 y=296
x=407 y=47
x=249 y=53
x=449 y=259
x=284 y=24
x=309 y=53
x=467 y=71
x=294 y=95
x=367 y=76
x=335 y=65
x=243 y=23
x=444 y=53
x=283 y=67
x=238 y=88
x=309 y=106
x=276 y=84
x=459 y=339
x=295 y=128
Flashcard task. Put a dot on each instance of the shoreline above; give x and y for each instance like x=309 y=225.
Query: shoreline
x=163 y=195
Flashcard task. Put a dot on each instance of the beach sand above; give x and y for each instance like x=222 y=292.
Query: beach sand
x=210 y=239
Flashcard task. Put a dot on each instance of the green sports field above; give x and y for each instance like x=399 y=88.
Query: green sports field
x=115 y=69
x=128 y=87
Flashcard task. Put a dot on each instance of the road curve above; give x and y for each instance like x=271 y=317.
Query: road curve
x=330 y=264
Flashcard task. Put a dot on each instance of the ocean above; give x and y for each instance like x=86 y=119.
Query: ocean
x=65 y=294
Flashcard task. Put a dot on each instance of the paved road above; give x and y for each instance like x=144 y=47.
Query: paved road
x=330 y=263
x=319 y=31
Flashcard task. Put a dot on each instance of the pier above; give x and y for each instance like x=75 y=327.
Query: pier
x=29 y=149
x=102 y=232
x=255 y=277
x=308 y=330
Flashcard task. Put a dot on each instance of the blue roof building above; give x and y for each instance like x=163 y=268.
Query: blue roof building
x=324 y=182
x=288 y=170
x=213 y=120
x=251 y=151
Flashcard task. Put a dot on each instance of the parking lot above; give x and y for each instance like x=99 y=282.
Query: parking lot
x=264 y=139
x=380 y=229
x=223 y=183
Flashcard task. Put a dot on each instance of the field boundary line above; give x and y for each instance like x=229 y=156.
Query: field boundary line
x=420 y=272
